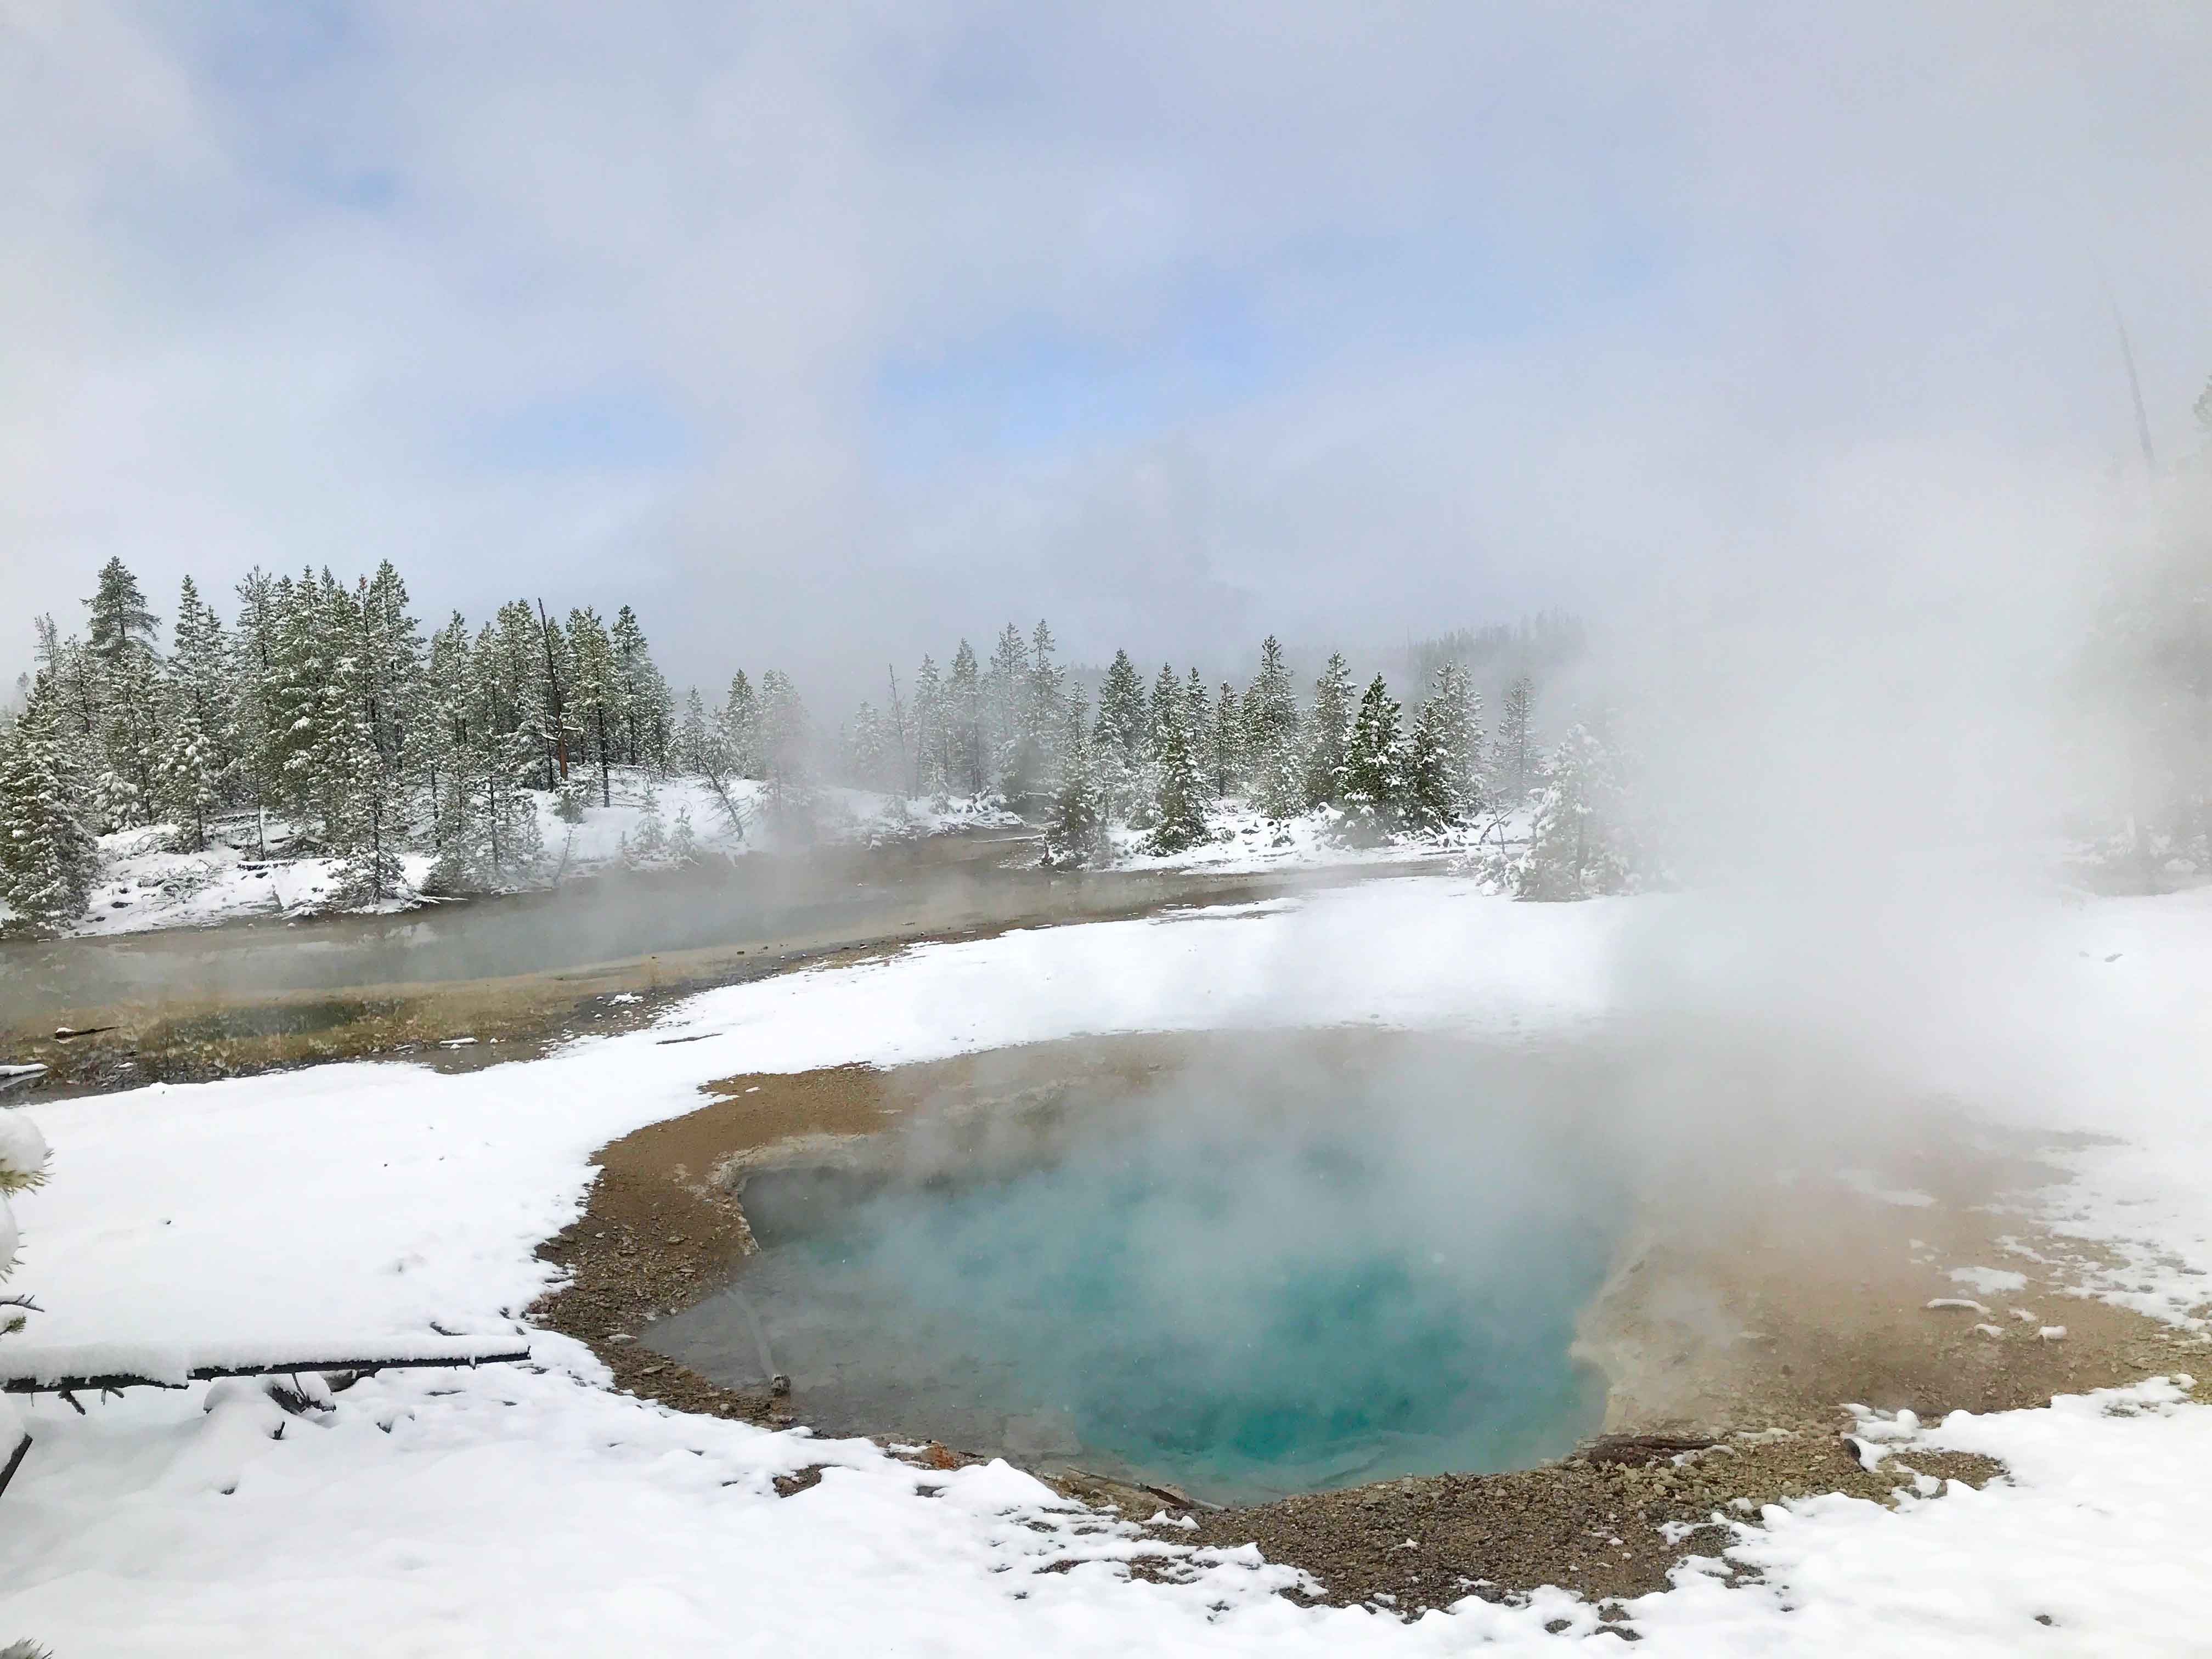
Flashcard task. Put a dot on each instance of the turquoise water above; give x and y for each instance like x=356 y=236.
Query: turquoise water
x=1242 y=1314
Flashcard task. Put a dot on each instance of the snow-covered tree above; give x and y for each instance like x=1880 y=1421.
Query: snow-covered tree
x=1577 y=845
x=49 y=857
x=1276 y=769
x=646 y=704
x=1514 y=759
x=1042 y=716
x=932 y=734
x=1225 y=765
x=964 y=711
x=1077 y=833
x=870 y=761
x=368 y=826
x=700 y=748
x=132 y=740
x=1010 y=756
x=188 y=775
x=1198 y=726
x=595 y=694
x=1179 y=791
x=119 y=624
x=650 y=839
x=1375 y=782
x=682 y=839
x=258 y=776
x=785 y=735
x=1328 y=729
x=201 y=762
x=1118 y=738
x=1441 y=790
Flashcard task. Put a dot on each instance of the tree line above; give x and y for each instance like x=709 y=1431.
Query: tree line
x=329 y=708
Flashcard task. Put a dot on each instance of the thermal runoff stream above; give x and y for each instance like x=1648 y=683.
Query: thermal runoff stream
x=1246 y=1300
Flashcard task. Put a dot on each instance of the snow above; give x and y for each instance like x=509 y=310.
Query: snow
x=598 y=842
x=1244 y=840
x=171 y=1364
x=145 y=885
x=526 y=1509
x=1988 y=1281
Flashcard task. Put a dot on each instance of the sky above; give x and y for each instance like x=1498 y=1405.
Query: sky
x=824 y=335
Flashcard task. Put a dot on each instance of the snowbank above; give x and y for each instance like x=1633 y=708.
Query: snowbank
x=512 y=1510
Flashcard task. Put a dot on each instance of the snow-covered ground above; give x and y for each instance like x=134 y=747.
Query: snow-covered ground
x=145 y=885
x=1246 y=839
x=512 y=1510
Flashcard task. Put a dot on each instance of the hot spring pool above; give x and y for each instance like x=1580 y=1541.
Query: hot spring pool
x=1244 y=1303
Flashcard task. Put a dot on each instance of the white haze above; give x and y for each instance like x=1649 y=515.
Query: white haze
x=1780 y=345
x=1176 y=327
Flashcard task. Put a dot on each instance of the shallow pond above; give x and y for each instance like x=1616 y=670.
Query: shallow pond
x=1244 y=1302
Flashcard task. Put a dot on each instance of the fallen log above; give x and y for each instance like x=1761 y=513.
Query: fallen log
x=110 y=1370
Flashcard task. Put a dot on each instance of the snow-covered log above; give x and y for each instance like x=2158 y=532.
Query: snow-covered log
x=94 y=1367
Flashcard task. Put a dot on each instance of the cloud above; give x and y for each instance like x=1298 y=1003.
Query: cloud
x=1175 y=326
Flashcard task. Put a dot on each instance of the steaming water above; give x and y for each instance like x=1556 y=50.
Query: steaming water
x=1242 y=1315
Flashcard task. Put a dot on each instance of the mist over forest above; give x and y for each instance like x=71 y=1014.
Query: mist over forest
x=1284 y=829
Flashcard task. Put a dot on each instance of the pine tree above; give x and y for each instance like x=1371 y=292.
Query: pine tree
x=1271 y=735
x=700 y=750
x=1375 y=783
x=963 y=704
x=741 y=727
x=1010 y=761
x=49 y=858
x=1328 y=728
x=312 y=627
x=1514 y=760
x=367 y=826
x=1576 y=847
x=1043 y=714
x=501 y=840
x=389 y=650
x=255 y=678
x=202 y=766
x=186 y=778
x=650 y=839
x=1179 y=794
x=448 y=746
x=1198 y=726
x=784 y=745
x=682 y=839
x=932 y=735
x=120 y=624
x=1122 y=726
x=1076 y=835
x=645 y=699
x=1442 y=792
x=74 y=677
x=1118 y=738
x=595 y=694
x=1226 y=771
x=1164 y=712
x=527 y=694
x=127 y=791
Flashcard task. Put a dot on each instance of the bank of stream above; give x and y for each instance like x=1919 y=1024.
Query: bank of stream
x=466 y=984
